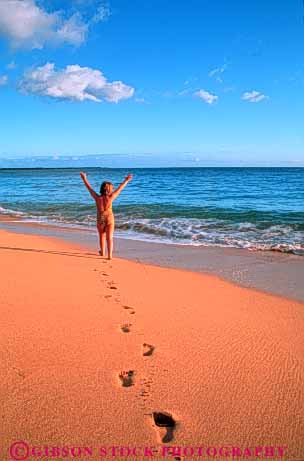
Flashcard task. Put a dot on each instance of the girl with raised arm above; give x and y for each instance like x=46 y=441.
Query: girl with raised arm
x=105 y=216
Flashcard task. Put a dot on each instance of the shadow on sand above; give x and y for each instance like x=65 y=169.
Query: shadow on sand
x=63 y=253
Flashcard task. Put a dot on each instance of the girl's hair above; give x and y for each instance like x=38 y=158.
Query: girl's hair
x=106 y=188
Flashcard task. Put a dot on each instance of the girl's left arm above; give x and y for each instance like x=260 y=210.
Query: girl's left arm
x=122 y=186
x=88 y=185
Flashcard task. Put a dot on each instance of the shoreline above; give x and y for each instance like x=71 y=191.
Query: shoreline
x=92 y=348
x=270 y=272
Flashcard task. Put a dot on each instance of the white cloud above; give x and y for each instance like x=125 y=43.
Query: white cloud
x=142 y=101
x=27 y=25
x=184 y=92
x=3 y=80
x=73 y=83
x=217 y=73
x=206 y=96
x=72 y=31
x=253 y=96
x=102 y=13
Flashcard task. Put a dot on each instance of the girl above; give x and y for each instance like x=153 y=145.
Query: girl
x=105 y=216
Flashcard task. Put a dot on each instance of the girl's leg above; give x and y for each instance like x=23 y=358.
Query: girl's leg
x=102 y=240
x=109 y=233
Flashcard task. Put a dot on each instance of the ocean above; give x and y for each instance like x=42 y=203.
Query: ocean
x=253 y=208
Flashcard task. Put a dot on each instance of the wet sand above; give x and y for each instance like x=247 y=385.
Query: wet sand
x=91 y=350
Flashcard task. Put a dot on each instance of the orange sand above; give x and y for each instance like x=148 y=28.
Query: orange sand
x=227 y=364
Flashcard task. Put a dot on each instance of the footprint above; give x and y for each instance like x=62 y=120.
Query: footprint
x=126 y=378
x=126 y=327
x=166 y=424
x=19 y=372
x=147 y=349
x=132 y=311
x=111 y=285
x=108 y=296
x=144 y=393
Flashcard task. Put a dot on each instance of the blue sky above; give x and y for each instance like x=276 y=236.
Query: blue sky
x=221 y=80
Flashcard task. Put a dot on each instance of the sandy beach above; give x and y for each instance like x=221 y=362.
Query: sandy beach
x=92 y=350
x=268 y=271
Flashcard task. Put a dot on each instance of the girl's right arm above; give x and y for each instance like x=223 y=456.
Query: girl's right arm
x=115 y=194
x=88 y=185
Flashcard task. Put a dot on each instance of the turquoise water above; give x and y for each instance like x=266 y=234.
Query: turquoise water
x=255 y=208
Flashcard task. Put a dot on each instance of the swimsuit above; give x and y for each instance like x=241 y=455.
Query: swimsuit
x=105 y=217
